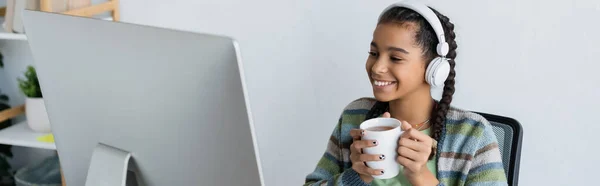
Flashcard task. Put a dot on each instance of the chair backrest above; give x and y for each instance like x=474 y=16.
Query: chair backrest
x=509 y=134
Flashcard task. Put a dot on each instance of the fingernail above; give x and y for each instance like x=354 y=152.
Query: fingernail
x=382 y=157
x=362 y=132
x=374 y=142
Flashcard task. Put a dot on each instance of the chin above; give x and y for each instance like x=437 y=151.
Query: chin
x=384 y=97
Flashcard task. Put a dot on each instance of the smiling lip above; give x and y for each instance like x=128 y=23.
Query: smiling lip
x=381 y=83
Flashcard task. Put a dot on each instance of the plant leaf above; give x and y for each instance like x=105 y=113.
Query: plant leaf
x=30 y=86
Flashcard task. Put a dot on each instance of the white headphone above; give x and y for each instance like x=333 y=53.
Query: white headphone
x=439 y=68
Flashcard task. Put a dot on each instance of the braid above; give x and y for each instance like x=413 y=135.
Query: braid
x=377 y=110
x=439 y=115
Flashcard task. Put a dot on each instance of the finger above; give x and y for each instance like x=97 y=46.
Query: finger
x=359 y=144
x=354 y=150
x=361 y=168
x=356 y=134
x=371 y=157
x=405 y=126
x=413 y=145
x=387 y=115
x=415 y=134
x=409 y=164
x=410 y=154
x=374 y=172
x=355 y=158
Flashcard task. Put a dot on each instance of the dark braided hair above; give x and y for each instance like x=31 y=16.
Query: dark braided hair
x=427 y=40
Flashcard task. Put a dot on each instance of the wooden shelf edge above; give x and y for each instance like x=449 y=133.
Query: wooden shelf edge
x=12 y=112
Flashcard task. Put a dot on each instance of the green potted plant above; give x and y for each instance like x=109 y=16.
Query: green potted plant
x=35 y=109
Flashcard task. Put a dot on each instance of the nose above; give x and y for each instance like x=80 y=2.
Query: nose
x=379 y=67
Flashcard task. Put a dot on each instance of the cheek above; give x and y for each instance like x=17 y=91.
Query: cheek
x=402 y=75
x=419 y=73
x=409 y=75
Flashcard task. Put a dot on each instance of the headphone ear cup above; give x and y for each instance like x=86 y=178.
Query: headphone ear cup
x=437 y=72
x=429 y=71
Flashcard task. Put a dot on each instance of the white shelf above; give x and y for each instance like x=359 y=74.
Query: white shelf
x=21 y=135
x=11 y=36
x=5 y=35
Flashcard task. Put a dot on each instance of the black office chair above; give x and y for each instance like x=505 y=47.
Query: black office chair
x=510 y=134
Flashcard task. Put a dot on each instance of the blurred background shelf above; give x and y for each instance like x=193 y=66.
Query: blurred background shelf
x=4 y=35
x=11 y=36
x=20 y=134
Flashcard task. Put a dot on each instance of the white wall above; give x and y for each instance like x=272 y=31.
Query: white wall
x=304 y=61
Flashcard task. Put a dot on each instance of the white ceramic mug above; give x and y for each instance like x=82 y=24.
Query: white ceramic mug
x=387 y=133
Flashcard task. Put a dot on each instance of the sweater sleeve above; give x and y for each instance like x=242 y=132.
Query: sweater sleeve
x=331 y=169
x=486 y=167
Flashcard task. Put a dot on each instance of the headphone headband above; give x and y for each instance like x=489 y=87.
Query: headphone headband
x=432 y=19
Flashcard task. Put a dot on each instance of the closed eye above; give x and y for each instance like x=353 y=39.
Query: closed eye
x=395 y=59
x=373 y=54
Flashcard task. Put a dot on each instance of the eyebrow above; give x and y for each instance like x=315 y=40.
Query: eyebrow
x=391 y=48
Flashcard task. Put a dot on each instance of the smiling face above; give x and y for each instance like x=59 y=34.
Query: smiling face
x=396 y=66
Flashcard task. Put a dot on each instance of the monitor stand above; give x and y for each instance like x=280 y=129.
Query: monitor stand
x=108 y=166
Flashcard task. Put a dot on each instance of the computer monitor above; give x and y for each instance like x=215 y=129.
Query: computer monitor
x=173 y=102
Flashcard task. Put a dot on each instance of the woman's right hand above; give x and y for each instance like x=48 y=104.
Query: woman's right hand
x=358 y=158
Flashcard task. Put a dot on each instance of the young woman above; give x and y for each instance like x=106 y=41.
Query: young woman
x=441 y=145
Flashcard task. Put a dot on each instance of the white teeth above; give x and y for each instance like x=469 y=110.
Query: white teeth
x=381 y=83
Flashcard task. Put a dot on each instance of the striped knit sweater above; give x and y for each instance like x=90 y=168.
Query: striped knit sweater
x=468 y=152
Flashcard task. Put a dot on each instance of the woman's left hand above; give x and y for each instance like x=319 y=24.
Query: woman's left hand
x=414 y=148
